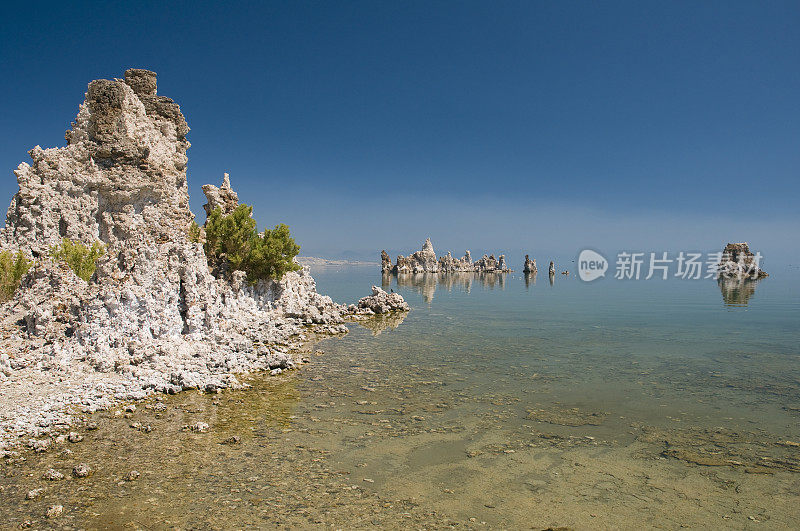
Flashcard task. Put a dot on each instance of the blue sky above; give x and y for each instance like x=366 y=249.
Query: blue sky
x=539 y=126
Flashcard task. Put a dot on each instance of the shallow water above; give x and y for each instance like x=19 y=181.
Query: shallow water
x=498 y=401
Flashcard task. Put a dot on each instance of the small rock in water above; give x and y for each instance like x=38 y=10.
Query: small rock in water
x=74 y=437
x=54 y=511
x=33 y=494
x=231 y=440
x=275 y=372
x=53 y=475
x=82 y=471
x=133 y=475
x=146 y=428
x=91 y=426
x=65 y=453
x=41 y=446
x=198 y=427
x=130 y=408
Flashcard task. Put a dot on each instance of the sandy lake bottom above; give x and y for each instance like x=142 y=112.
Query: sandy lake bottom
x=495 y=403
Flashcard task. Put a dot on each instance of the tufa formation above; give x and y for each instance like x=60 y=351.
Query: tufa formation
x=153 y=317
x=425 y=261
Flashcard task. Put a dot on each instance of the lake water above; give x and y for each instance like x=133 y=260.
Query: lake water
x=498 y=401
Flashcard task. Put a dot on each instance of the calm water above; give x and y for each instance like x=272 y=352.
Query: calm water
x=498 y=401
x=649 y=348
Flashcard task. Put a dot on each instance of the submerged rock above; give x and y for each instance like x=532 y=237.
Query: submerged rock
x=34 y=493
x=53 y=475
x=82 y=471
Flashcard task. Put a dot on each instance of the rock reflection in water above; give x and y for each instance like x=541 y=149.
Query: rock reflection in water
x=737 y=291
x=427 y=283
x=379 y=323
x=530 y=278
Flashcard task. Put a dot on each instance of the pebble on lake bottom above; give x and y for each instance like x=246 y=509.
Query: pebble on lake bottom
x=33 y=494
x=53 y=475
x=82 y=471
x=198 y=427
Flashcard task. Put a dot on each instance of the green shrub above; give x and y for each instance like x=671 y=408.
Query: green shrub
x=235 y=239
x=228 y=237
x=195 y=232
x=79 y=257
x=271 y=254
x=12 y=268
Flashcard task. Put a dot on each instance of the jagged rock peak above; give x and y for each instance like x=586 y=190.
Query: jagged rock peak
x=122 y=174
x=427 y=247
x=223 y=197
x=143 y=82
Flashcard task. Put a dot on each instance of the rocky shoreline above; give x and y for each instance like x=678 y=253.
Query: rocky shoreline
x=153 y=318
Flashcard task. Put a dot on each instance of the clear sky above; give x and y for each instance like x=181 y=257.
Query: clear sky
x=514 y=126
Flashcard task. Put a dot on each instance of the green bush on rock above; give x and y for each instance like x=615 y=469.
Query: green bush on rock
x=235 y=239
x=12 y=268
x=272 y=254
x=80 y=258
x=195 y=232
